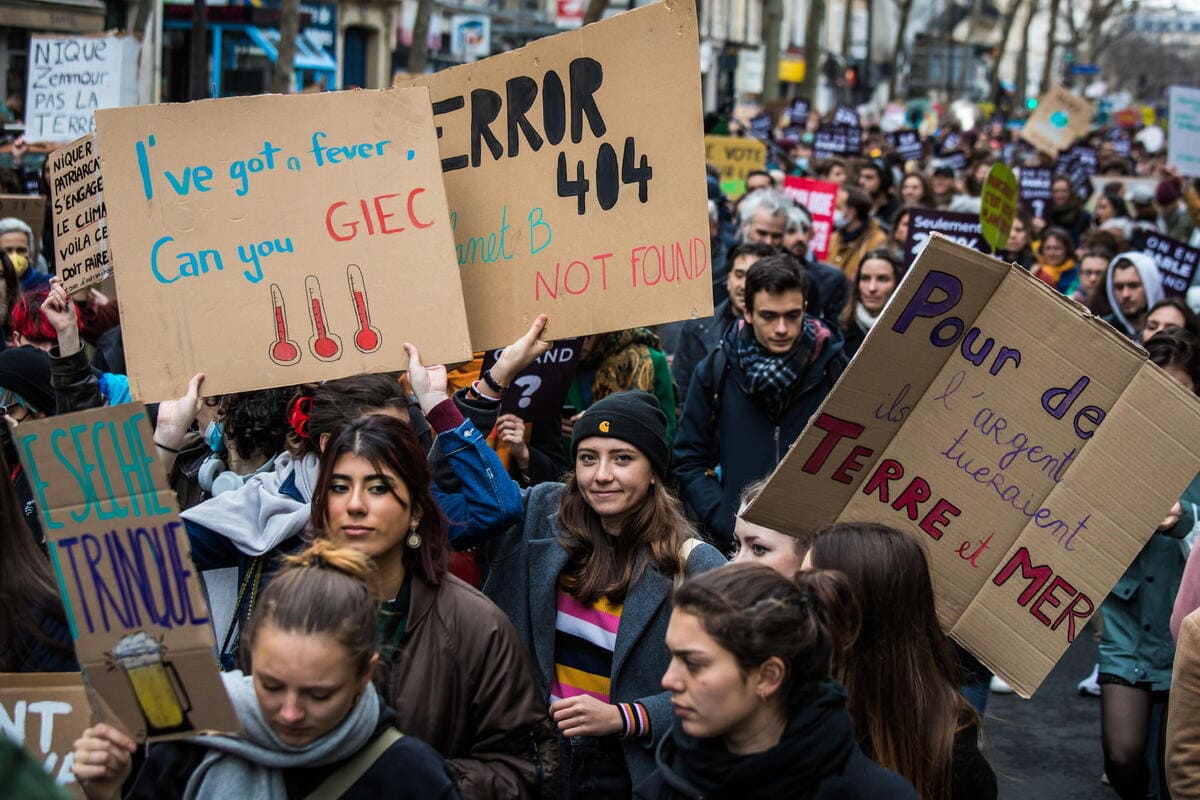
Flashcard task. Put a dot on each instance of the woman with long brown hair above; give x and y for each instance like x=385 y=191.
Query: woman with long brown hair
x=900 y=675
x=586 y=579
x=443 y=645
x=34 y=636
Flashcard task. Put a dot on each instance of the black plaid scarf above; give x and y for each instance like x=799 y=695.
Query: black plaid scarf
x=772 y=378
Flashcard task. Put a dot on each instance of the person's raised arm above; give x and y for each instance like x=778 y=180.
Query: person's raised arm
x=175 y=418
x=103 y=759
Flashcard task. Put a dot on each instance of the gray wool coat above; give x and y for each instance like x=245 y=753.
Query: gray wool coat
x=523 y=568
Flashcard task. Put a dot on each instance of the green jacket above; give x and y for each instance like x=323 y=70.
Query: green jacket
x=1136 y=644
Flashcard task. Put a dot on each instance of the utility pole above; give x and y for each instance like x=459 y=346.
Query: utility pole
x=198 y=64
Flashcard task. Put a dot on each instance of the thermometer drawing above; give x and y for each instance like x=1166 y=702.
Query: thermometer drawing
x=284 y=351
x=323 y=344
x=367 y=339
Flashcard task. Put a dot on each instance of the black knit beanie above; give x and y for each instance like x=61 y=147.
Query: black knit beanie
x=633 y=417
x=26 y=371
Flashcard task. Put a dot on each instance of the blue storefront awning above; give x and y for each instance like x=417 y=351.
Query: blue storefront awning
x=309 y=55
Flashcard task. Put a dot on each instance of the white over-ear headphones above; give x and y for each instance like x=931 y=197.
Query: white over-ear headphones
x=216 y=479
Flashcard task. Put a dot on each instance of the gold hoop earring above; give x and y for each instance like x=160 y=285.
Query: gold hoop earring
x=413 y=541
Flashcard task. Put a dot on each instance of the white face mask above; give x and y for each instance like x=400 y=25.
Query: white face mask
x=839 y=219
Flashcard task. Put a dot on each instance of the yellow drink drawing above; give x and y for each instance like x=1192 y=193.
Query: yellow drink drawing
x=156 y=695
x=162 y=700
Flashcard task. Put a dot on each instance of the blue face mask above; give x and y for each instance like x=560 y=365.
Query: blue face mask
x=214 y=436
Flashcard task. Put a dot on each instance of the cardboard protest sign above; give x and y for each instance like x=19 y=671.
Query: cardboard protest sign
x=966 y=229
x=998 y=205
x=45 y=712
x=72 y=77
x=30 y=209
x=735 y=157
x=569 y=194
x=1032 y=476
x=907 y=144
x=273 y=240
x=132 y=595
x=1061 y=117
x=1183 y=130
x=837 y=140
x=1035 y=190
x=1176 y=261
x=820 y=198
x=1128 y=185
x=80 y=226
x=539 y=391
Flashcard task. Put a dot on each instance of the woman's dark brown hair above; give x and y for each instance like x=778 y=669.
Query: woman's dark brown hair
x=1178 y=348
x=325 y=590
x=29 y=599
x=602 y=565
x=880 y=254
x=756 y=614
x=901 y=675
x=334 y=403
x=390 y=445
x=10 y=285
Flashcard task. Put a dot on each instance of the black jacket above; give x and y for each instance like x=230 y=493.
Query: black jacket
x=697 y=339
x=817 y=758
x=724 y=426
x=408 y=770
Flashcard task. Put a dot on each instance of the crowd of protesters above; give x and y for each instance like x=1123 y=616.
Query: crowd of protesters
x=435 y=599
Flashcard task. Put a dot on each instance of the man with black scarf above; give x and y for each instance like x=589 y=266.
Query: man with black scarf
x=752 y=396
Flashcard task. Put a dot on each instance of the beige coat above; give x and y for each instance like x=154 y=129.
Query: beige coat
x=1183 y=715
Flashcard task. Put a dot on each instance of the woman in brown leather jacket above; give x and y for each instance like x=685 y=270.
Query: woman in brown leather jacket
x=451 y=663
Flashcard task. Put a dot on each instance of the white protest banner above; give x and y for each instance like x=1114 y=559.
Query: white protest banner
x=133 y=597
x=72 y=77
x=80 y=226
x=279 y=239
x=1033 y=476
x=46 y=712
x=1183 y=130
x=571 y=170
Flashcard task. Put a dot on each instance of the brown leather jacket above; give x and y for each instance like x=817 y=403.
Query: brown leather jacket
x=462 y=682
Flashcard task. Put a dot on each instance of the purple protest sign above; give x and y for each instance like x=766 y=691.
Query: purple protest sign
x=1176 y=261
x=539 y=391
x=962 y=228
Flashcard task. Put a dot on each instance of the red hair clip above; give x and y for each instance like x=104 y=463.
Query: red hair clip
x=298 y=413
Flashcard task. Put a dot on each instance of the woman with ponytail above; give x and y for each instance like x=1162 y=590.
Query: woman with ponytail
x=758 y=715
x=307 y=709
x=901 y=677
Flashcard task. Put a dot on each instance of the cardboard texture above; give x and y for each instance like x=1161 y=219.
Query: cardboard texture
x=1176 y=261
x=966 y=229
x=72 y=77
x=1183 y=130
x=273 y=240
x=80 y=226
x=574 y=168
x=30 y=209
x=820 y=198
x=539 y=391
x=133 y=598
x=998 y=205
x=735 y=157
x=1060 y=118
x=1032 y=470
x=45 y=712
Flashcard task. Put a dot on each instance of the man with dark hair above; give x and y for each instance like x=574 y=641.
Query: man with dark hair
x=752 y=396
x=758 y=179
x=875 y=178
x=856 y=232
x=699 y=337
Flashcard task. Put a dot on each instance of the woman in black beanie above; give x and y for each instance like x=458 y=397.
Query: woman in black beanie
x=586 y=579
